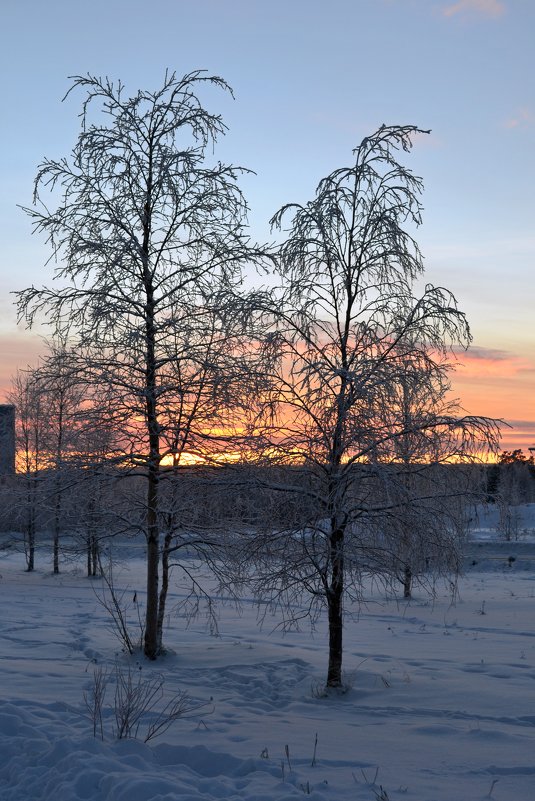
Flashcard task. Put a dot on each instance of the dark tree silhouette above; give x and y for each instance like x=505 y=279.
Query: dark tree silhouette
x=149 y=240
x=346 y=327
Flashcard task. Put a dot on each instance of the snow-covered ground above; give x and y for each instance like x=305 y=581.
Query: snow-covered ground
x=441 y=705
x=491 y=522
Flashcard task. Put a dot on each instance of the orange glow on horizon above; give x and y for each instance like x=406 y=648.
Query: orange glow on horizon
x=501 y=385
x=489 y=382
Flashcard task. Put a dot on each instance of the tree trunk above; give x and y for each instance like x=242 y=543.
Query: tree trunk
x=152 y=646
x=30 y=560
x=92 y=553
x=30 y=557
x=334 y=671
x=95 y=554
x=57 y=513
x=335 y=609
x=165 y=587
x=58 y=480
x=407 y=581
x=30 y=531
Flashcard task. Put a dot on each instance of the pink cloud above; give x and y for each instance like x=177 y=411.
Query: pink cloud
x=482 y=353
x=427 y=140
x=488 y=8
x=479 y=363
x=517 y=437
x=500 y=384
x=524 y=118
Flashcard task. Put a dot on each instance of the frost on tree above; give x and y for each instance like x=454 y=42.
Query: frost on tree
x=149 y=236
x=346 y=324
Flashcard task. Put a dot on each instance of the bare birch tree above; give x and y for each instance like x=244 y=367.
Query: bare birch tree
x=51 y=439
x=143 y=227
x=30 y=432
x=62 y=392
x=427 y=431
x=347 y=320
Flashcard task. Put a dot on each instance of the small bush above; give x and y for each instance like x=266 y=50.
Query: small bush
x=138 y=708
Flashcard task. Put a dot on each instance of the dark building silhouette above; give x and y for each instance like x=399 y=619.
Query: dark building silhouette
x=7 y=439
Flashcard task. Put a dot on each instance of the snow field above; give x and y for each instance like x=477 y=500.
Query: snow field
x=441 y=704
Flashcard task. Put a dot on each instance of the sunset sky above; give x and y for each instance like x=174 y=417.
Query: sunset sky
x=311 y=79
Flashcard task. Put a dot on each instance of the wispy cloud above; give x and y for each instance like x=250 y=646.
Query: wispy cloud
x=517 y=437
x=495 y=382
x=524 y=118
x=527 y=425
x=483 y=363
x=498 y=383
x=488 y=354
x=486 y=8
x=428 y=140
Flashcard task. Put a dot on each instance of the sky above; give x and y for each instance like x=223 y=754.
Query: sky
x=311 y=79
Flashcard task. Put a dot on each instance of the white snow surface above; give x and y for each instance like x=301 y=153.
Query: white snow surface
x=440 y=705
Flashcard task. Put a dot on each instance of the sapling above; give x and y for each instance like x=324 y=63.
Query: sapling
x=117 y=608
x=136 y=703
x=94 y=698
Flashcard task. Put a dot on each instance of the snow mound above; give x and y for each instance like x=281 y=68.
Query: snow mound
x=42 y=761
